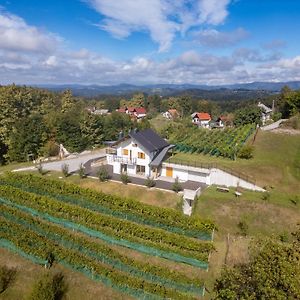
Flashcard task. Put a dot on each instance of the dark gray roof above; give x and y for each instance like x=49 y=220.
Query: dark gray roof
x=160 y=156
x=149 y=139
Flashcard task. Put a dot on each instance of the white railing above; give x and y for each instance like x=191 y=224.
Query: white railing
x=121 y=159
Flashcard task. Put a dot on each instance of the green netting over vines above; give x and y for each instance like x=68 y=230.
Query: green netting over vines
x=11 y=247
x=139 y=294
x=121 y=242
x=84 y=202
x=225 y=142
x=103 y=258
x=126 y=216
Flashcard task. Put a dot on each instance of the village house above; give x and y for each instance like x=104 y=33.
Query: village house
x=201 y=119
x=171 y=114
x=218 y=123
x=266 y=112
x=137 y=112
x=145 y=154
x=139 y=153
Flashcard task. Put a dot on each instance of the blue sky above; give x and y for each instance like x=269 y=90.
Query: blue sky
x=143 y=41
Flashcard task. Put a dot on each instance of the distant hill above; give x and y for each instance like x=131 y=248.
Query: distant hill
x=247 y=90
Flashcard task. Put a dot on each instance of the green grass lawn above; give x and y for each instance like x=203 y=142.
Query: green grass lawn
x=159 y=122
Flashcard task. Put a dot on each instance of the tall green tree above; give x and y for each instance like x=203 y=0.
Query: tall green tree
x=273 y=272
x=92 y=129
x=247 y=115
x=27 y=138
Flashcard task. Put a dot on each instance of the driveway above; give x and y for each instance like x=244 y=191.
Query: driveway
x=73 y=162
x=159 y=183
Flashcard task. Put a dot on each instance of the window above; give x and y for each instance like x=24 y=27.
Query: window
x=125 y=151
x=141 y=155
x=134 y=145
x=140 y=170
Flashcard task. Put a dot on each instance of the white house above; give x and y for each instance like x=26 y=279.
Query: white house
x=266 y=112
x=139 y=153
x=171 y=114
x=144 y=153
x=201 y=119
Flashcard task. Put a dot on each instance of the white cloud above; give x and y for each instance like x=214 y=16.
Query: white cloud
x=161 y=18
x=17 y=35
x=214 y=38
x=213 y=11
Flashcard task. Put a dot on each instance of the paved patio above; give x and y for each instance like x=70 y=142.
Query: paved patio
x=160 y=182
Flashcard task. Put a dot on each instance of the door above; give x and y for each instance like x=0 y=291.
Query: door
x=169 y=172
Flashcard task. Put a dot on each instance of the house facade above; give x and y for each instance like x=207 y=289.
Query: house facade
x=140 y=153
x=201 y=119
x=145 y=153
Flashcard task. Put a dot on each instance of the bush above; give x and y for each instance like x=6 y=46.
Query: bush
x=50 y=149
x=65 y=170
x=49 y=287
x=125 y=178
x=246 y=152
x=243 y=227
x=176 y=187
x=150 y=182
x=295 y=200
x=7 y=275
x=40 y=169
x=81 y=171
x=266 y=196
x=103 y=174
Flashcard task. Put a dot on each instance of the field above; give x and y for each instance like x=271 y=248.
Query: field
x=88 y=231
x=225 y=143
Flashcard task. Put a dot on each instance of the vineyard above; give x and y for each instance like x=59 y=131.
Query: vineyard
x=226 y=143
x=84 y=230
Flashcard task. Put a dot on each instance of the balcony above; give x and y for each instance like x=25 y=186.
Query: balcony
x=121 y=159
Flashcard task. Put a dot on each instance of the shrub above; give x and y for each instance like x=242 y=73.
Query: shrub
x=49 y=287
x=266 y=196
x=103 y=174
x=125 y=178
x=176 y=187
x=243 y=227
x=295 y=200
x=284 y=237
x=246 y=152
x=50 y=149
x=150 y=182
x=65 y=170
x=81 y=171
x=7 y=275
x=40 y=169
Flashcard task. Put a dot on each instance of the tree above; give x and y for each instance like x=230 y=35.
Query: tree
x=138 y=100
x=27 y=138
x=247 y=115
x=67 y=101
x=92 y=130
x=49 y=287
x=7 y=275
x=273 y=272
